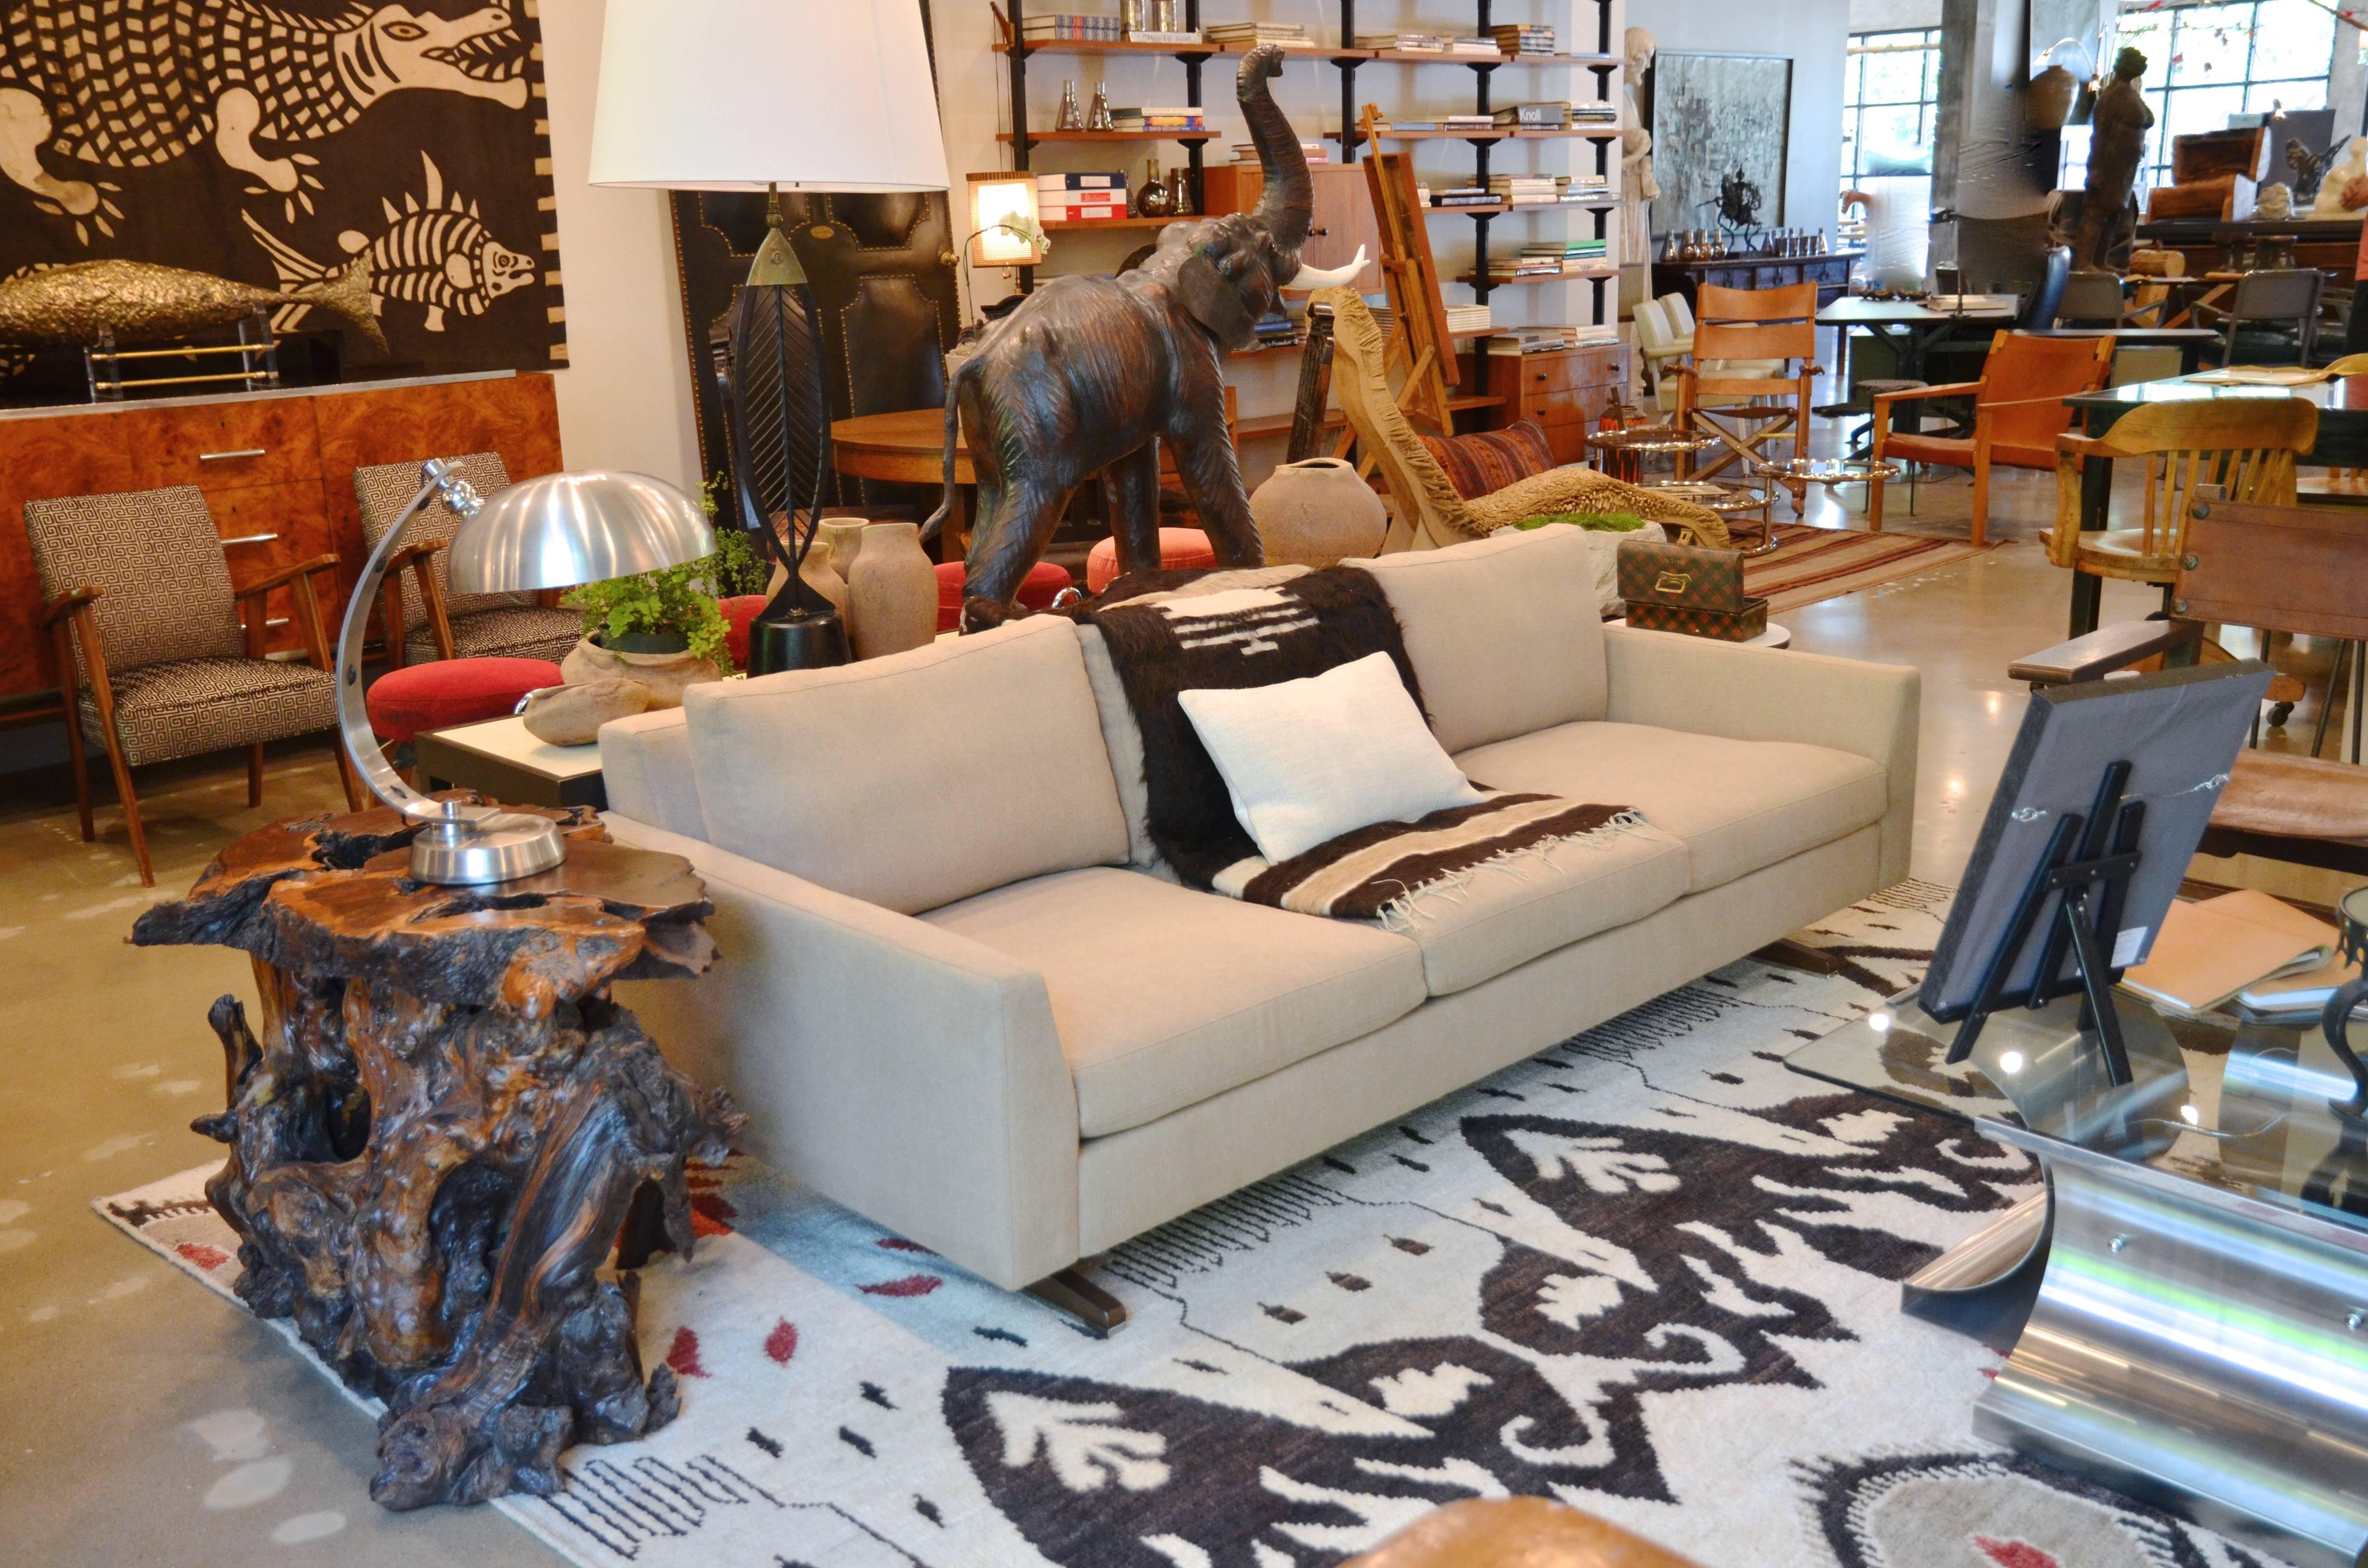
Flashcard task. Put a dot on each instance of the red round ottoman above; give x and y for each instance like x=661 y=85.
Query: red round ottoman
x=739 y=611
x=1179 y=550
x=1036 y=590
x=445 y=692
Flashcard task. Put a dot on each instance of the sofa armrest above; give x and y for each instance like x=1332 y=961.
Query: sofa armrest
x=911 y=1073
x=645 y=768
x=1765 y=694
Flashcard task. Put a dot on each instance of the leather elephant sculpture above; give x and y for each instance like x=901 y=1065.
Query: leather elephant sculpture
x=1090 y=373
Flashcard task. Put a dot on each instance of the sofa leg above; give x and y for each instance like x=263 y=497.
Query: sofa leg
x=1071 y=1292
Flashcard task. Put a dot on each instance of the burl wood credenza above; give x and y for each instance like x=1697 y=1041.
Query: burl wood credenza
x=277 y=470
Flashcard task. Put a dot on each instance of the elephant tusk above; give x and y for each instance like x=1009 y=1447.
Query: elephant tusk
x=1327 y=277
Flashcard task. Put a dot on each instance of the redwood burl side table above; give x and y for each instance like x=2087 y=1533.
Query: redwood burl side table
x=441 y=1122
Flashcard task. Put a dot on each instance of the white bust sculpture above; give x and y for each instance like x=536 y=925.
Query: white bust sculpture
x=1638 y=186
x=2352 y=165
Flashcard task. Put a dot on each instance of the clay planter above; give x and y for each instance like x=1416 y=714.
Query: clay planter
x=892 y=592
x=1317 y=513
x=665 y=675
x=572 y=715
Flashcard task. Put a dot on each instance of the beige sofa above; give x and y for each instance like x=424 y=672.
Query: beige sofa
x=957 y=993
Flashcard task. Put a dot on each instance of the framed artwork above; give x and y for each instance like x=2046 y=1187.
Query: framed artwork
x=1712 y=116
x=273 y=144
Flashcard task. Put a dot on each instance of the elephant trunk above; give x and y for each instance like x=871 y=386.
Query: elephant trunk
x=1287 y=206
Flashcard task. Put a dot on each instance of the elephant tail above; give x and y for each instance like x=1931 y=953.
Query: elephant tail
x=937 y=523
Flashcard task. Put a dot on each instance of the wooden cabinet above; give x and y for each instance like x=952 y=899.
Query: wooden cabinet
x=1830 y=273
x=277 y=470
x=1341 y=218
x=1566 y=390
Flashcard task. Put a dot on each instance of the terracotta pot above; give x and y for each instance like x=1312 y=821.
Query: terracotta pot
x=664 y=673
x=1317 y=513
x=892 y=592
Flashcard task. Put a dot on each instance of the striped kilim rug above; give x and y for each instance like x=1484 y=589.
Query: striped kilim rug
x=1823 y=563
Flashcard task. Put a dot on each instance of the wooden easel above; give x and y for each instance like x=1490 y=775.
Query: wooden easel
x=1419 y=338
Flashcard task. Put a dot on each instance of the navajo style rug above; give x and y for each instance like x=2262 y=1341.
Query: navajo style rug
x=1811 y=563
x=1650 y=1272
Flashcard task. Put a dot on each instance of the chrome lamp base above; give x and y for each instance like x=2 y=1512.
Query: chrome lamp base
x=499 y=848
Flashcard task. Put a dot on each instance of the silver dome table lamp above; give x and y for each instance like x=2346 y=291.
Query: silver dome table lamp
x=556 y=532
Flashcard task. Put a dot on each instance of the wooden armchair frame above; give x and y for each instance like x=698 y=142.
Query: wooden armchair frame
x=1986 y=412
x=68 y=618
x=1750 y=324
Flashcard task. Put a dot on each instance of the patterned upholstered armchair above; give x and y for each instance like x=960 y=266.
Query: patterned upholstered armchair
x=164 y=656
x=437 y=623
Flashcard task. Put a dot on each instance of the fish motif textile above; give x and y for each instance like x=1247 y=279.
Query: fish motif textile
x=278 y=145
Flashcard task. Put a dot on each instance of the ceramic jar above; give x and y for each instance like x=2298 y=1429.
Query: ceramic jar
x=892 y=592
x=1317 y=513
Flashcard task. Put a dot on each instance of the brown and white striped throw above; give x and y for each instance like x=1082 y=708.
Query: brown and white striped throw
x=1384 y=872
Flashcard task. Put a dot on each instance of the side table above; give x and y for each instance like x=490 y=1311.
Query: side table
x=502 y=762
x=442 y=1123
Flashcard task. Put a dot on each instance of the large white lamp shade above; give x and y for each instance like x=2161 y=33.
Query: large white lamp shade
x=736 y=95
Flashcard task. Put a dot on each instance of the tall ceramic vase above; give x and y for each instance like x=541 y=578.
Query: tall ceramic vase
x=893 y=591
x=841 y=540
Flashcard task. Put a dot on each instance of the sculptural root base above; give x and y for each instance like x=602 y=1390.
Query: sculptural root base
x=439 y=1127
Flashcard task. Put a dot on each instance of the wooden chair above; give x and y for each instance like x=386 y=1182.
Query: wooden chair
x=1750 y=324
x=2245 y=445
x=2284 y=569
x=163 y=657
x=2018 y=414
x=436 y=623
x=1430 y=515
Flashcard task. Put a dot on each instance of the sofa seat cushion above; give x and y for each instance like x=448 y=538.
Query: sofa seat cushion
x=1506 y=912
x=1164 y=995
x=1739 y=805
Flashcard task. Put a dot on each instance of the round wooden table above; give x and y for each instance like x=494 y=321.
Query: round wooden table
x=908 y=447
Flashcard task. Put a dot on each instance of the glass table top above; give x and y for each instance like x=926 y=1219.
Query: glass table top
x=2235 y=1102
x=1651 y=439
x=1827 y=470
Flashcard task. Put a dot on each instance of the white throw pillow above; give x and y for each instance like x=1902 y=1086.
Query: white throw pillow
x=1308 y=760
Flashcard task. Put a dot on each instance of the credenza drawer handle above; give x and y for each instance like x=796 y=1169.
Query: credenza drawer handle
x=250 y=538
x=226 y=457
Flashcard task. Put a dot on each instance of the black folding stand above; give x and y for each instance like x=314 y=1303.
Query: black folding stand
x=2093 y=882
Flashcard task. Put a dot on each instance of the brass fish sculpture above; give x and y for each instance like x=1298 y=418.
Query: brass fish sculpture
x=142 y=304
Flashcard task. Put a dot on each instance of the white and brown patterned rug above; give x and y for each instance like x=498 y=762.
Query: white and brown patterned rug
x=1650 y=1272
x=1812 y=563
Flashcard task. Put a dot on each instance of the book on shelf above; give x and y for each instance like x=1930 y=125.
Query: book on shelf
x=1073 y=201
x=1468 y=318
x=1468 y=121
x=1404 y=43
x=1461 y=196
x=1071 y=28
x=1532 y=340
x=1534 y=117
x=1385 y=128
x=1483 y=47
x=1108 y=181
x=1186 y=36
x=1314 y=152
x=1290 y=35
x=1525 y=37
x=1101 y=212
x=2210 y=950
x=1594 y=111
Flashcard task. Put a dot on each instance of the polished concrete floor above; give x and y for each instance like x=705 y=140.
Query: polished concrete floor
x=143 y=1421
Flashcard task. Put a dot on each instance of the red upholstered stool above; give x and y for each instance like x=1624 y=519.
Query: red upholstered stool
x=739 y=611
x=445 y=692
x=1036 y=590
x=1179 y=550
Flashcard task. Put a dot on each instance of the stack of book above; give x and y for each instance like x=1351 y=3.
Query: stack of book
x=1534 y=117
x=1404 y=44
x=1583 y=188
x=2244 y=948
x=1276 y=331
x=1071 y=29
x=1524 y=190
x=1533 y=340
x=1467 y=122
x=1248 y=35
x=1073 y=199
x=1316 y=151
x=1525 y=37
x=1594 y=111
x=1182 y=118
x=1181 y=35
x=1461 y=319
x=1461 y=196
x=1567 y=255
x=1481 y=48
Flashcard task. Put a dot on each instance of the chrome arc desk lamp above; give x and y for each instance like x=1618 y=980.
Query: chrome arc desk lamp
x=556 y=532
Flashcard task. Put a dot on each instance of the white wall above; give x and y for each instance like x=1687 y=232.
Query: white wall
x=1893 y=16
x=624 y=398
x=1815 y=35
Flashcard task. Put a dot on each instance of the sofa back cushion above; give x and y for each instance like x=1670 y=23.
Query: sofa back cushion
x=917 y=779
x=1503 y=633
x=645 y=770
